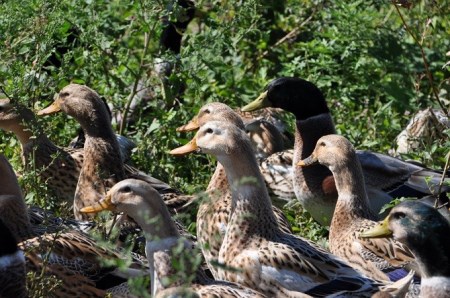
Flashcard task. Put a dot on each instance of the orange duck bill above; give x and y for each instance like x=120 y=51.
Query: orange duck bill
x=186 y=149
x=51 y=109
x=103 y=204
x=192 y=125
x=311 y=160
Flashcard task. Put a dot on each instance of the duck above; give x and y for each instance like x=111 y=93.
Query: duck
x=102 y=166
x=423 y=128
x=274 y=116
x=425 y=231
x=278 y=174
x=262 y=256
x=59 y=167
x=144 y=204
x=269 y=141
x=266 y=138
x=352 y=215
x=214 y=211
x=37 y=220
x=69 y=255
x=12 y=266
x=385 y=177
x=275 y=161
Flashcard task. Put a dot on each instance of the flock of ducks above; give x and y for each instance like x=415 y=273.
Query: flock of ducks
x=245 y=241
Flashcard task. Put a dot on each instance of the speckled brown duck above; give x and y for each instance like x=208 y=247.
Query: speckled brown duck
x=71 y=256
x=425 y=231
x=102 y=166
x=374 y=257
x=214 y=211
x=314 y=187
x=264 y=257
x=144 y=204
x=58 y=167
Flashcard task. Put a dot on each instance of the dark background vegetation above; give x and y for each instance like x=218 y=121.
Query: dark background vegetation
x=374 y=61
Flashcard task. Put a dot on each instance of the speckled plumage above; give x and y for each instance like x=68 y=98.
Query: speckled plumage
x=352 y=215
x=314 y=186
x=278 y=175
x=102 y=166
x=265 y=138
x=70 y=255
x=58 y=167
x=263 y=257
x=140 y=201
x=425 y=231
x=214 y=210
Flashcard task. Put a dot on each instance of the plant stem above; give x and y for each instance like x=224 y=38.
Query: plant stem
x=136 y=82
x=444 y=173
x=425 y=62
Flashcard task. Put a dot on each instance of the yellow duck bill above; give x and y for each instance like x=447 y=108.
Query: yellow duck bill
x=185 y=149
x=192 y=125
x=380 y=230
x=103 y=204
x=310 y=160
x=51 y=109
x=261 y=102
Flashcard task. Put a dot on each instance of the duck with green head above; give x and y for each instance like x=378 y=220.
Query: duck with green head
x=314 y=186
x=426 y=232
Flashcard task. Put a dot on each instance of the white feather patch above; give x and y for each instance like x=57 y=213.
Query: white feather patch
x=436 y=282
x=288 y=279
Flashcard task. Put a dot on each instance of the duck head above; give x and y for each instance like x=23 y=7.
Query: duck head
x=295 y=95
x=214 y=111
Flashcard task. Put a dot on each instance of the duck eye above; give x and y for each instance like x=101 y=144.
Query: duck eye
x=209 y=130
x=63 y=94
x=398 y=215
x=126 y=189
x=207 y=111
x=322 y=144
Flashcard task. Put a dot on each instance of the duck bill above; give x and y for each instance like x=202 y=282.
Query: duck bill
x=380 y=230
x=51 y=109
x=261 y=102
x=186 y=149
x=192 y=125
x=311 y=160
x=103 y=204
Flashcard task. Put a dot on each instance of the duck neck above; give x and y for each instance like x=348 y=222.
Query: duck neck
x=307 y=133
x=154 y=220
x=352 y=202
x=160 y=233
x=98 y=125
x=26 y=136
x=251 y=206
x=218 y=182
x=101 y=145
x=23 y=133
x=432 y=254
